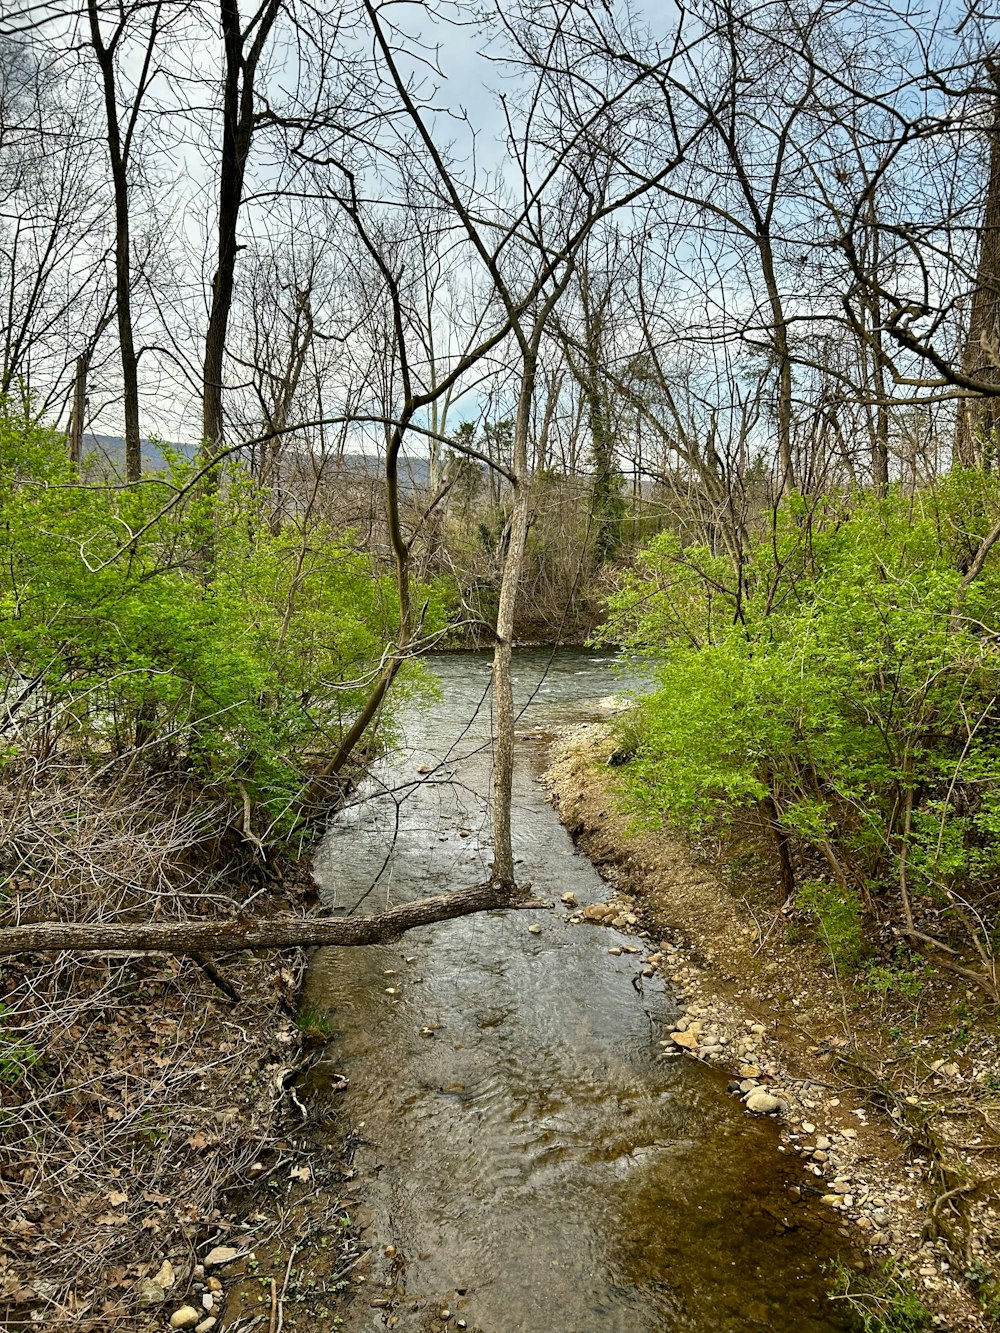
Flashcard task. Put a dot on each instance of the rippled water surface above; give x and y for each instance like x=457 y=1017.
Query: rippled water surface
x=532 y=1161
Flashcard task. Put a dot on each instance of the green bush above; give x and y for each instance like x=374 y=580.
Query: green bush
x=838 y=914
x=115 y=634
x=837 y=676
x=882 y=1302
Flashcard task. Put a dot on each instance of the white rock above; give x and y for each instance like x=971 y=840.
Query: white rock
x=186 y=1317
x=763 y=1102
x=222 y=1254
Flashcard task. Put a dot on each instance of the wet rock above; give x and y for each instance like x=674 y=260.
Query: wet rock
x=186 y=1317
x=599 y=913
x=763 y=1103
x=222 y=1254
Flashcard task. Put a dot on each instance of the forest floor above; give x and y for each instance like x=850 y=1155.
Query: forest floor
x=891 y=1099
x=157 y=1166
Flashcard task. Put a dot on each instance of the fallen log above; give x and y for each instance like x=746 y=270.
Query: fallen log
x=213 y=937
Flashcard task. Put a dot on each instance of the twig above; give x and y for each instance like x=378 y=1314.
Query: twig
x=284 y=1287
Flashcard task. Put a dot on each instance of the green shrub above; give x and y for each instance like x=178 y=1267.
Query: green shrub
x=838 y=677
x=838 y=915
x=883 y=1302
x=114 y=633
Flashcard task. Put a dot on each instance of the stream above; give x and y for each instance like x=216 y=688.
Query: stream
x=532 y=1160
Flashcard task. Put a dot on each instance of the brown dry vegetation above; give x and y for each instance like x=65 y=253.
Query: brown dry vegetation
x=145 y=1098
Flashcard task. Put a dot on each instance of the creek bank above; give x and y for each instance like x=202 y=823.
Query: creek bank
x=174 y=1181
x=866 y=1114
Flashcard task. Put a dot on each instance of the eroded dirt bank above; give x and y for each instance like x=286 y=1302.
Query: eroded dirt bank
x=895 y=1116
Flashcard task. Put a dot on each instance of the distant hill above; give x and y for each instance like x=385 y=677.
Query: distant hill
x=110 y=449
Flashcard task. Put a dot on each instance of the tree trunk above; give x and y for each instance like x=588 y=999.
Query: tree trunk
x=237 y=134
x=118 y=154
x=979 y=418
x=78 y=412
x=503 y=690
x=249 y=933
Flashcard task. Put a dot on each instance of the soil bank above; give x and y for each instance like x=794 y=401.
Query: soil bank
x=896 y=1119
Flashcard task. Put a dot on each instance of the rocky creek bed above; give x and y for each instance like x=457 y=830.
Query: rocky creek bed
x=895 y=1121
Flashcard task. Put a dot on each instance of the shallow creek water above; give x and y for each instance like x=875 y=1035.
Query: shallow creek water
x=535 y=1163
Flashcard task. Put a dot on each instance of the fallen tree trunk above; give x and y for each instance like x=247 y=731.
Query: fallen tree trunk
x=251 y=933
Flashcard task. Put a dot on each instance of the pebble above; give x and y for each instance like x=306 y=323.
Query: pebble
x=535 y=929
x=222 y=1254
x=570 y=899
x=150 y=1294
x=186 y=1317
x=206 y=1325
x=615 y=952
x=688 y=1041
x=763 y=1103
